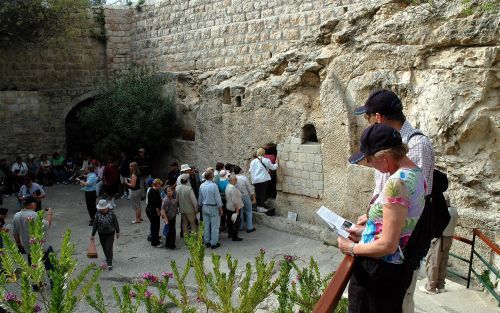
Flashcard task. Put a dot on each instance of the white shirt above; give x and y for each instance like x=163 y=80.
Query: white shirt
x=244 y=185
x=22 y=168
x=233 y=198
x=259 y=169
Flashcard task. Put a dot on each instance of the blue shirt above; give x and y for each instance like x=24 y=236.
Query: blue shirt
x=209 y=194
x=91 y=182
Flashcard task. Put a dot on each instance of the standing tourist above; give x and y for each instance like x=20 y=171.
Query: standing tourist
x=106 y=225
x=153 y=212
x=69 y=169
x=21 y=232
x=110 y=181
x=247 y=194
x=144 y=163
x=89 y=187
x=169 y=209
x=211 y=206
x=188 y=206
x=31 y=189
x=134 y=184
x=233 y=206
x=259 y=170
x=124 y=174
x=385 y=107
x=437 y=258
x=380 y=279
x=222 y=184
x=173 y=174
x=58 y=167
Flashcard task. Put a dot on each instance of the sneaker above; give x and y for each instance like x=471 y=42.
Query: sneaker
x=251 y=230
x=207 y=245
x=215 y=246
x=261 y=209
x=110 y=267
x=428 y=291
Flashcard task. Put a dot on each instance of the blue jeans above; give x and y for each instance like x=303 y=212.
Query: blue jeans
x=246 y=213
x=211 y=220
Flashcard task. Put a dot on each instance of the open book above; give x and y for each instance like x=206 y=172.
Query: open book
x=335 y=222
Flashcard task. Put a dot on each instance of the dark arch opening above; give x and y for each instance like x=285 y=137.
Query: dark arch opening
x=79 y=140
x=309 y=134
x=238 y=101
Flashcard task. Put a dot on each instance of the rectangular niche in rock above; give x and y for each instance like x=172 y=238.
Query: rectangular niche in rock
x=301 y=168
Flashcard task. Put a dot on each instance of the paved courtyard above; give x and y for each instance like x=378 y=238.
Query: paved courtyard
x=133 y=254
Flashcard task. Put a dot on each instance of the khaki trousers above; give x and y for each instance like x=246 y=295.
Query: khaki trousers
x=188 y=218
x=437 y=260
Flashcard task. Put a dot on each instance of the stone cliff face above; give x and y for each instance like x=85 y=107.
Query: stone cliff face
x=443 y=65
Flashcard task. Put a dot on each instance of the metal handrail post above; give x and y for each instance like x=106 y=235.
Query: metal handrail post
x=471 y=258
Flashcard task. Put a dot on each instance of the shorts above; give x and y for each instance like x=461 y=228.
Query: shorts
x=123 y=179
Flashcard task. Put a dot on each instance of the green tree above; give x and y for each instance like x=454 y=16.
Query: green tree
x=129 y=114
x=23 y=21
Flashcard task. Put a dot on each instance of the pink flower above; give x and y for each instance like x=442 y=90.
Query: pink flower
x=167 y=274
x=150 y=277
x=148 y=294
x=34 y=266
x=198 y=299
x=289 y=258
x=11 y=297
x=32 y=241
x=38 y=308
x=104 y=266
x=132 y=294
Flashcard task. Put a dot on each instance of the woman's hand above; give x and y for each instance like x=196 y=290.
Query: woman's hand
x=362 y=219
x=344 y=245
x=355 y=232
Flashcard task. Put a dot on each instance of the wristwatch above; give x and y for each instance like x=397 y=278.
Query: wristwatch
x=351 y=250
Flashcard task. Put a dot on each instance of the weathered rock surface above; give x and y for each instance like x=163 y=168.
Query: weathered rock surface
x=443 y=65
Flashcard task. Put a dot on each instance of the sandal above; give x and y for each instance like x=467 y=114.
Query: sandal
x=136 y=222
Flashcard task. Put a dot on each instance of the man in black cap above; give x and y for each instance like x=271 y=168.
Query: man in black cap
x=385 y=107
x=20 y=229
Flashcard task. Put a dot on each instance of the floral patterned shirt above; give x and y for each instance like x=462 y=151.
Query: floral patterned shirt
x=406 y=187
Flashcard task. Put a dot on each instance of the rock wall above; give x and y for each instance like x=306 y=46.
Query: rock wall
x=178 y=35
x=444 y=66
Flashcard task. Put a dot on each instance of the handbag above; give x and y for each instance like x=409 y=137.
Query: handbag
x=166 y=228
x=91 y=250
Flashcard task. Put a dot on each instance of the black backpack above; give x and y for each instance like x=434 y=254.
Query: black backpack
x=431 y=224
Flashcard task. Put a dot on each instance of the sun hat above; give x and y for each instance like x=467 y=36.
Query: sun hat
x=185 y=167
x=234 y=217
x=375 y=138
x=381 y=101
x=102 y=204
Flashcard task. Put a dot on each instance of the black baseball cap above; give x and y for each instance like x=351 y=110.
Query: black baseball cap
x=28 y=200
x=381 y=101
x=375 y=138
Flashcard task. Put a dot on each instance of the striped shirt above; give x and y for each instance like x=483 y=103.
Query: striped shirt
x=420 y=151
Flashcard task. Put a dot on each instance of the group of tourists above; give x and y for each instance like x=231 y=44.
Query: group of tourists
x=225 y=199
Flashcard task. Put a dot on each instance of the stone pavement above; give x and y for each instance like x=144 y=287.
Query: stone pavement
x=133 y=255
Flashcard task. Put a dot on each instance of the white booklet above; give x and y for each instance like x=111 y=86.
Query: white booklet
x=335 y=222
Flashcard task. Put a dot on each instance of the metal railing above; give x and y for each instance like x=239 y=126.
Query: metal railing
x=333 y=292
x=476 y=233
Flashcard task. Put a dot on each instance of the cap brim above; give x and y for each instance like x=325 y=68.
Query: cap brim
x=357 y=157
x=360 y=110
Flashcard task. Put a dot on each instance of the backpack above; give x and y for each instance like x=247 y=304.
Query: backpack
x=431 y=224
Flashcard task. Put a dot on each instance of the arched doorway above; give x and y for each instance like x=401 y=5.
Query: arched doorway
x=79 y=140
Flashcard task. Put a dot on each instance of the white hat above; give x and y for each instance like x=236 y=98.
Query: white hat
x=103 y=204
x=184 y=177
x=234 y=217
x=31 y=156
x=223 y=173
x=185 y=167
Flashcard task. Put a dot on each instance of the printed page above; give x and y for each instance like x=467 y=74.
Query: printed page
x=334 y=221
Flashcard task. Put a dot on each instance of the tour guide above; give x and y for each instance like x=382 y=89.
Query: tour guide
x=379 y=279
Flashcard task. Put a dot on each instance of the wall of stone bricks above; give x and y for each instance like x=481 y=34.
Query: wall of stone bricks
x=301 y=168
x=118 y=24
x=176 y=35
